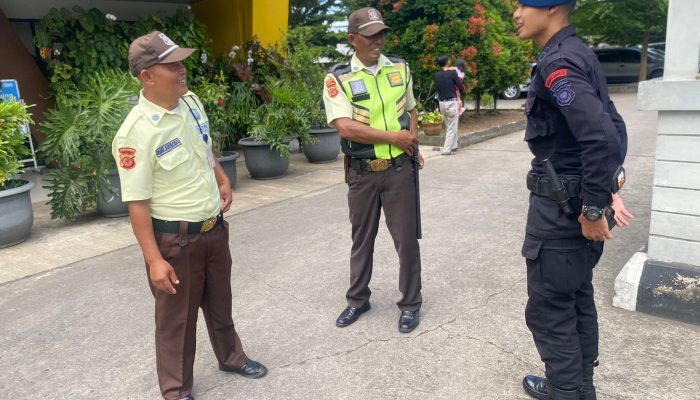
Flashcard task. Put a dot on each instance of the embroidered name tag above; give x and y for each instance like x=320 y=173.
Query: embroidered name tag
x=395 y=79
x=204 y=127
x=358 y=87
x=168 y=147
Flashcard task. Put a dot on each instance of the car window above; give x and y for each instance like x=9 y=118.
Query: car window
x=607 y=57
x=630 y=56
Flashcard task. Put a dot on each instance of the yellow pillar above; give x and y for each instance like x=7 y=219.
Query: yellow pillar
x=232 y=22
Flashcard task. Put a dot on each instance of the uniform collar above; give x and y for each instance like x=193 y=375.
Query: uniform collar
x=154 y=112
x=357 y=65
x=558 y=37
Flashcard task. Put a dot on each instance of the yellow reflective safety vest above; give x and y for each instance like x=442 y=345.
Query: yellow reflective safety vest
x=378 y=101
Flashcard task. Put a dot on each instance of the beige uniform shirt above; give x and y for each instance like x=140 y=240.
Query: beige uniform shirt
x=161 y=155
x=335 y=100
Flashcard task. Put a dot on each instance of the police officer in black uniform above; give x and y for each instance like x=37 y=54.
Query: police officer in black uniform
x=578 y=139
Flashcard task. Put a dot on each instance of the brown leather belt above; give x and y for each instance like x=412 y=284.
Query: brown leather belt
x=192 y=227
x=377 y=164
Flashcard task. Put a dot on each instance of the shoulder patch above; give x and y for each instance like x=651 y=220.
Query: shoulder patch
x=331 y=87
x=127 y=157
x=560 y=73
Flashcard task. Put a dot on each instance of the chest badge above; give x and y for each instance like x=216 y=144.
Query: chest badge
x=395 y=79
x=358 y=87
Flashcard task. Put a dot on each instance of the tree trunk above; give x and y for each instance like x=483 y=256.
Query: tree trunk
x=495 y=101
x=477 y=103
x=645 y=44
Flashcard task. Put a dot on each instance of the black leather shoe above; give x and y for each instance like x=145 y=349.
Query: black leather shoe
x=251 y=369
x=408 y=321
x=536 y=387
x=350 y=315
x=540 y=388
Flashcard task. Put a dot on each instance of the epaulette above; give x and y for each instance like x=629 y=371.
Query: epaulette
x=397 y=60
x=340 y=69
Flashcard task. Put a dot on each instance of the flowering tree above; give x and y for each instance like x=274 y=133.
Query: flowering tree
x=478 y=31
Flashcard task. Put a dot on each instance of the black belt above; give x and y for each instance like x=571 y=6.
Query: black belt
x=192 y=227
x=450 y=99
x=378 y=165
x=540 y=185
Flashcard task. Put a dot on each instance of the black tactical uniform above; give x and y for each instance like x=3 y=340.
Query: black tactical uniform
x=572 y=121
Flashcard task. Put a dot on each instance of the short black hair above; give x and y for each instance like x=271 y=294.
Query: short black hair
x=443 y=60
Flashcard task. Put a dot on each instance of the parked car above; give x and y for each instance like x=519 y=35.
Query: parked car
x=621 y=65
x=516 y=91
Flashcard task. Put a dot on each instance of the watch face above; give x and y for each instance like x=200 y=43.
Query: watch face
x=592 y=213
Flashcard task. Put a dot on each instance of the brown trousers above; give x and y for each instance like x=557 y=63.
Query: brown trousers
x=202 y=263
x=394 y=191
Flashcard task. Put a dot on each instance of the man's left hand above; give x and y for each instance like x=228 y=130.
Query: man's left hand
x=421 y=161
x=226 y=196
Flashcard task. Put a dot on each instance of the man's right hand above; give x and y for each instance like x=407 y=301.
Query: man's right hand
x=595 y=230
x=163 y=276
x=406 y=141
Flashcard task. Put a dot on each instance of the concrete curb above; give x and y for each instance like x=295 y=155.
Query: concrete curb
x=475 y=137
x=659 y=288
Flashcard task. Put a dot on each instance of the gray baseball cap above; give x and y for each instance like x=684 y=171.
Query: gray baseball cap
x=154 y=48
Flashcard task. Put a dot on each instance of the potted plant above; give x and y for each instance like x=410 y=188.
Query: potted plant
x=305 y=70
x=274 y=125
x=79 y=133
x=16 y=216
x=431 y=123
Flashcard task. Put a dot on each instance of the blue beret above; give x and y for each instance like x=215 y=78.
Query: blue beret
x=543 y=3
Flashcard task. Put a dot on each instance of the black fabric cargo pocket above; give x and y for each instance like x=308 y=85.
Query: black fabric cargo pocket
x=563 y=272
x=531 y=247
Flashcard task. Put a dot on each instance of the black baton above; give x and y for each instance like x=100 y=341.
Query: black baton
x=416 y=167
x=560 y=193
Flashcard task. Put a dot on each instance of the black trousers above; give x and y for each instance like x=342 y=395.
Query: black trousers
x=560 y=311
x=368 y=193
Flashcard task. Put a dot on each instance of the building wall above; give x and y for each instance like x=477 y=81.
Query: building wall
x=232 y=23
x=125 y=10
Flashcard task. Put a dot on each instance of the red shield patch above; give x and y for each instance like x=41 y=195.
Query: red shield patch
x=331 y=87
x=127 y=157
x=560 y=73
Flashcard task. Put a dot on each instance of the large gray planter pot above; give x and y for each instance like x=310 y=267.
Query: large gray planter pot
x=228 y=162
x=16 y=215
x=262 y=161
x=111 y=205
x=326 y=148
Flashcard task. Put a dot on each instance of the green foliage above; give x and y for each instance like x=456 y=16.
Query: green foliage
x=79 y=133
x=13 y=143
x=241 y=106
x=214 y=95
x=430 y=118
x=282 y=119
x=478 y=31
x=319 y=14
x=621 y=22
x=75 y=45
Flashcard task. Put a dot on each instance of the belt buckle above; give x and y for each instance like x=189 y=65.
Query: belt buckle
x=208 y=225
x=378 y=165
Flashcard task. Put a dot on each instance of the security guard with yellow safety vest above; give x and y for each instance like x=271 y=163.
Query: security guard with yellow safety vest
x=176 y=193
x=370 y=102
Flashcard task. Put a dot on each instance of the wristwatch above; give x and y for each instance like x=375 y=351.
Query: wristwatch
x=592 y=213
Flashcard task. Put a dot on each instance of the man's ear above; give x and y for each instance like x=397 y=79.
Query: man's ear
x=145 y=76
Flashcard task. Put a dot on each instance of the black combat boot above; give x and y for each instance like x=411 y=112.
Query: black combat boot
x=558 y=394
x=536 y=387
x=587 y=390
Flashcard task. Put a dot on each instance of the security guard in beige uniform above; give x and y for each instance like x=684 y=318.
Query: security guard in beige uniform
x=370 y=102
x=176 y=193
